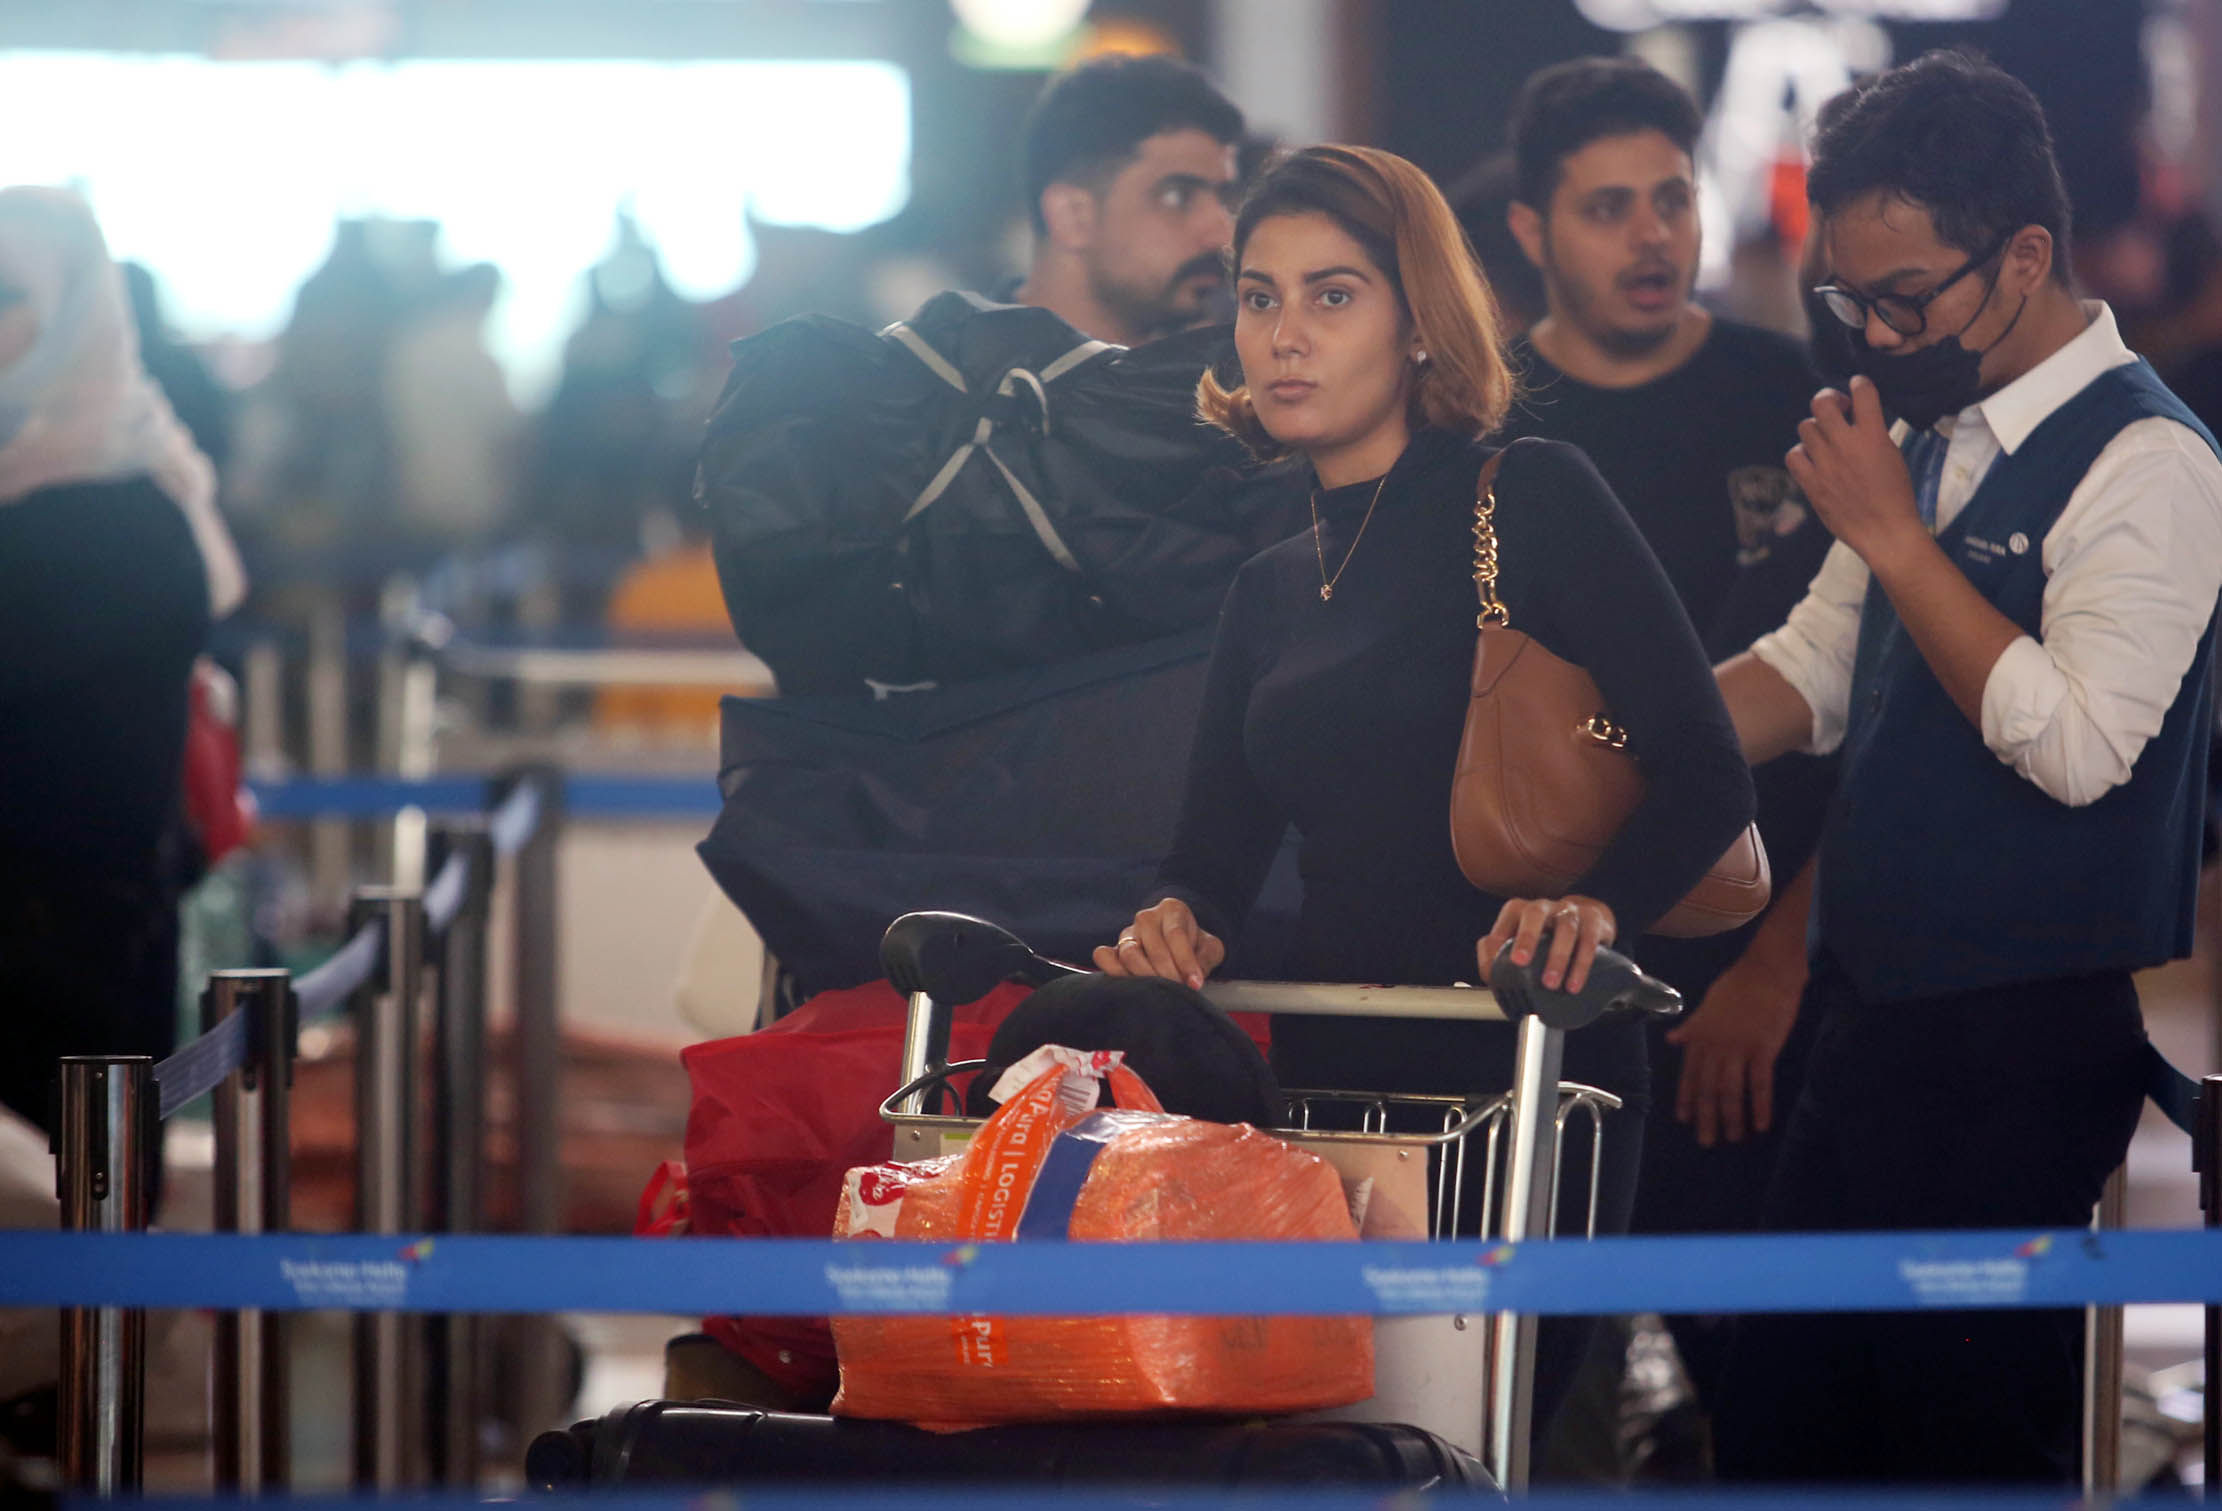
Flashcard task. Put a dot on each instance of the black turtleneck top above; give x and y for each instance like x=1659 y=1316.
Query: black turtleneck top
x=1342 y=718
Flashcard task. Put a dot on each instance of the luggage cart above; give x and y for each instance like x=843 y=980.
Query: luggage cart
x=1471 y=1385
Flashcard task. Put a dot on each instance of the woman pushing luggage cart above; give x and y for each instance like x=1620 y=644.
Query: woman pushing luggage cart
x=1336 y=696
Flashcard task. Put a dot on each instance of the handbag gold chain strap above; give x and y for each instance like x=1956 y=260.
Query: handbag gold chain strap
x=1493 y=610
x=1598 y=726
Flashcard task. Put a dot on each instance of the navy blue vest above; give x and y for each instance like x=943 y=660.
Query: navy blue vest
x=1942 y=868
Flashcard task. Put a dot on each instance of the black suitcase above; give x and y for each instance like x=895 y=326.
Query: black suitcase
x=702 y=1443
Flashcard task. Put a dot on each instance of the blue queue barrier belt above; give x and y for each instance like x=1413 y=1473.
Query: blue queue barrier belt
x=516 y=820
x=1069 y=1497
x=589 y=795
x=443 y=896
x=201 y=1066
x=1847 y=1272
x=366 y=797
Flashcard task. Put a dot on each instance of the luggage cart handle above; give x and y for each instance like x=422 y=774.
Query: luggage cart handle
x=954 y=957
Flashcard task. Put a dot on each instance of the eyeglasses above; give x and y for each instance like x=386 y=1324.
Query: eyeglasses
x=1907 y=314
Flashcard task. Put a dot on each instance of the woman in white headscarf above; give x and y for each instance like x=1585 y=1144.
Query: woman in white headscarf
x=113 y=564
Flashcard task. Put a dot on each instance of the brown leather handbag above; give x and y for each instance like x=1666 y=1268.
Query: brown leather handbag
x=1544 y=777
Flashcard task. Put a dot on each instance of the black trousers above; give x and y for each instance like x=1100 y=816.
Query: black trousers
x=2002 y=1108
x=1687 y=1188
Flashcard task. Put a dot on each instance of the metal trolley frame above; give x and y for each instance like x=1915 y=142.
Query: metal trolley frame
x=1478 y=1393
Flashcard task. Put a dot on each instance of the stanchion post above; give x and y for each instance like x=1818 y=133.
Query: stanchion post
x=2102 y=1362
x=329 y=838
x=104 y=1178
x=1527 y=1214
x=454 y=1387
x=388 y=1376
x=537 y=1065
x=409 y=683
x=539 y=1039
x=254 y=1177
x=2206 y=1155
x=262 y=715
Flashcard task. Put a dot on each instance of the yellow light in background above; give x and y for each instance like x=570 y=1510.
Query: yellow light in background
x=1128 y=37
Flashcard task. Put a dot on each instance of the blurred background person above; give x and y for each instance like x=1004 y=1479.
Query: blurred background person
x=614 y=443
x=202 y=404
x=318 y=476
x=1687 y=416
x=454 y=425
x=1482 y=198
x=115 y=564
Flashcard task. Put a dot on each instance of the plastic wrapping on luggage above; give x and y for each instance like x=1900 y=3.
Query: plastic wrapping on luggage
x=1050 y=1165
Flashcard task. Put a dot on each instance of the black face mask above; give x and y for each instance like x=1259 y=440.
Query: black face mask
x=1940 y=379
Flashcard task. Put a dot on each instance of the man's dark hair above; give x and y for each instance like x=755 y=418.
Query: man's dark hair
x=1954 y=134
x=1089 y=123
x=1567 y=106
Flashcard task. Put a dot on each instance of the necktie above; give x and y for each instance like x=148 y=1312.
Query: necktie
x=1927 y=465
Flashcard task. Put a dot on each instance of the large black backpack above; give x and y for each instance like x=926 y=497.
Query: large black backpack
x=974 y=490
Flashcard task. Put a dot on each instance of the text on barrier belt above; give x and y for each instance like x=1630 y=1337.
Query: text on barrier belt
x=801 y=1277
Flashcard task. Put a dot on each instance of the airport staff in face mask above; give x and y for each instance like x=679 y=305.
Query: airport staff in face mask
x=2012 y=644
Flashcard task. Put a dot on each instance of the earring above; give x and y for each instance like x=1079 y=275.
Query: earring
x=1419 y=359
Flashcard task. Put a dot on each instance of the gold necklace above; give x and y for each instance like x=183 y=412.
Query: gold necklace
x=1326 y=583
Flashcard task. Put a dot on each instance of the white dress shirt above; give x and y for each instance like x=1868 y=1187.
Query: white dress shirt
x=2133 y=566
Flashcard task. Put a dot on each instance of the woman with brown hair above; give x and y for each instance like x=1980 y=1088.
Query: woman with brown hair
x=1337 y=693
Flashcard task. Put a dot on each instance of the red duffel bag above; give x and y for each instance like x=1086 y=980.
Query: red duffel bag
x=779 y=1117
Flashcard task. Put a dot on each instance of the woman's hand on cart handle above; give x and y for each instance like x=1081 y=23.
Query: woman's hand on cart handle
x=1164 y=940
x=1579 y=927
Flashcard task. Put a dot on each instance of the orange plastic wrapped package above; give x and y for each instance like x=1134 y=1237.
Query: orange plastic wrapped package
x=1049 y=1164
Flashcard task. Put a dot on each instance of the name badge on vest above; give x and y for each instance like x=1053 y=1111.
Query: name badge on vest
x=1981 y=552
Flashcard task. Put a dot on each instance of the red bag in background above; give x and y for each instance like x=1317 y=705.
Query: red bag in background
x=218 y=807
x=1049 y=1166
x=779 y=1118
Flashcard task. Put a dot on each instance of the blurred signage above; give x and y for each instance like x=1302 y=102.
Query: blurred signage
x=327 y=32
x=1642 y=15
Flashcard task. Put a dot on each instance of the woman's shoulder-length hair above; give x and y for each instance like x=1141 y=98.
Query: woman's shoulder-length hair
x=1395 y=212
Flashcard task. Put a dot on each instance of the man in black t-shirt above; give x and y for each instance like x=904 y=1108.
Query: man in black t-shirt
x=1688 y=417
